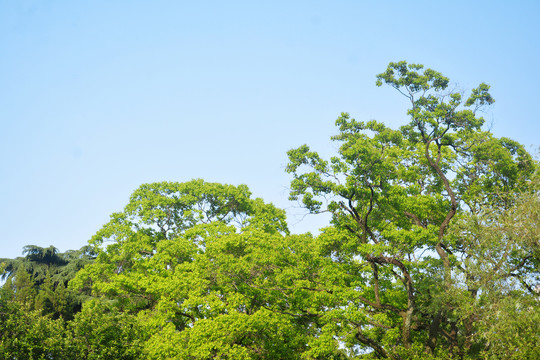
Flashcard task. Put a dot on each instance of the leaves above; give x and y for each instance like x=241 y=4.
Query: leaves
x=432 y=253
x=394 y=194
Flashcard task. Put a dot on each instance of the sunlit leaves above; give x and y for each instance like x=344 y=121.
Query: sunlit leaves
x=394 y=193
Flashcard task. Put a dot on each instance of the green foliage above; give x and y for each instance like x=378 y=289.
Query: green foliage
x=25 y=334
x=194 y=261
x=39 y=279
x=100 y=331
x=432 y=253
x=502 y=266
x=397 y=198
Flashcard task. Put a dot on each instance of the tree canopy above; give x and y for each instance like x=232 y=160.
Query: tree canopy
x=432 y=252
x=408 y=207
x=39 y=279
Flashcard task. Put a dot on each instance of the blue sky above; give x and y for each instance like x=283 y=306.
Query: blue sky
x=99 y=97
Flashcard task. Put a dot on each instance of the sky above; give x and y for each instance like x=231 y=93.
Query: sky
x=97 y=98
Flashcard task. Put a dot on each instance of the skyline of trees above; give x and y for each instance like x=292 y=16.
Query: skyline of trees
x=432 y=252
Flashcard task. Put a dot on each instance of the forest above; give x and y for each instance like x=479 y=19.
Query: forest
x=432 y=252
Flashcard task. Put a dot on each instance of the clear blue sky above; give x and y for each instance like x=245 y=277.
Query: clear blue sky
x=98 y=97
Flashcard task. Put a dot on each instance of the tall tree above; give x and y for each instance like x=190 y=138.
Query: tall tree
x=198 y=263
x=393 y=195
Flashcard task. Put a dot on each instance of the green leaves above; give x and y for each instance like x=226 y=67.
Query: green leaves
x=39 y=279
x=100 y=331
x=432 y=253
x=201 y=264
x=411 y=80
x=480 y=96
x=393 y=195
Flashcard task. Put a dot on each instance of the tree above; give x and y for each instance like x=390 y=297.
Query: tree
x=39 y=278
x=432 y=253
x=25 y=334
x=503 y=263
x=201 y=266
x=393 y=196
